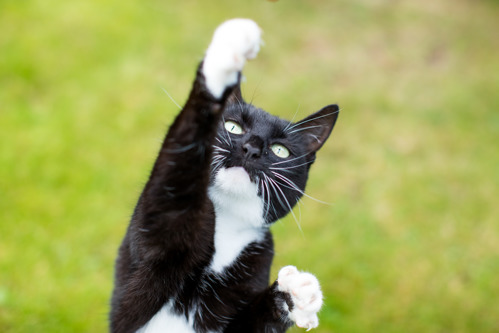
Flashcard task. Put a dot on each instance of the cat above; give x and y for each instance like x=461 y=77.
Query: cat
x=197 y=253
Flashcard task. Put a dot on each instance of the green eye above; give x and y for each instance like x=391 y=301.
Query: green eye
x=280 y=150
x=233 y=127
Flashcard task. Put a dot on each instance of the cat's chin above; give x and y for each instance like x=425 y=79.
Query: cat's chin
x=236 y=181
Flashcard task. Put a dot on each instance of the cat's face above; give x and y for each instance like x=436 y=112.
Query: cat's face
x=276 y=154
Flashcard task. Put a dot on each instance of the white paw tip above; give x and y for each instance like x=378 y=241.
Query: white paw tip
x=241 y=33
x=305 y=293
x=234 y=42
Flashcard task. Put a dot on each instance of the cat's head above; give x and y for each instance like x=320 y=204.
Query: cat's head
x=275 y=153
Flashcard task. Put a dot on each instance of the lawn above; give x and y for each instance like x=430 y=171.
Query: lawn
x=410 y=240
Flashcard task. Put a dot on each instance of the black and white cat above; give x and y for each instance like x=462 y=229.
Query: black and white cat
x=198 y=250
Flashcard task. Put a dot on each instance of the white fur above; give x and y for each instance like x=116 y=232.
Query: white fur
x=234 y=42
x=165 y=320
x=239 y=215
x=305 y=293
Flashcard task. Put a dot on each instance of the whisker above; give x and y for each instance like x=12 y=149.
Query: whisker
x=298 y=203
x=291 y=160
x=270 y=204
x=217 y=162
x=218 y=158
x=239 y=102
x=220 y=149
x=255 y=91
x=225 y=140
x=166 y=92
x=220 y=141
x=275 y=185
x=265 y=203
x=293 y=186
x=291 y=167
x=305 y=128
x=292 y=119
x=315 y=118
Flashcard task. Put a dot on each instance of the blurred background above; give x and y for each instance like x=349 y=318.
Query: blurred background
x=410 y=241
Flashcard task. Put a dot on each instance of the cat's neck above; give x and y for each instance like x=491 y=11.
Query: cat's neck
x=239 y=216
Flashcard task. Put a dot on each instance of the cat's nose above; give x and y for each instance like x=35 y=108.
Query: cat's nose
x=251 y=150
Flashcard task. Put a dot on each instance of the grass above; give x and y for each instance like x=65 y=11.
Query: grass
x=410 y=242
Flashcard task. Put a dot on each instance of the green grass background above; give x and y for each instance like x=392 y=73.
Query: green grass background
x=410 y=242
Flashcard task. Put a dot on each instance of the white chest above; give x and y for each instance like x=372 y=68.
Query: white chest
x=239 y=216
x=165 y=320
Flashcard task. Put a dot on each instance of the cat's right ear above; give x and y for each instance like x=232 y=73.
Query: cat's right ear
x=317 y=127
x=235 y=96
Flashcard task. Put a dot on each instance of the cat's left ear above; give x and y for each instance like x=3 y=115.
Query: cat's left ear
x=317 y=127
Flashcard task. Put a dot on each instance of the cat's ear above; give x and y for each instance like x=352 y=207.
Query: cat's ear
x=317 y=127
x=235 y=96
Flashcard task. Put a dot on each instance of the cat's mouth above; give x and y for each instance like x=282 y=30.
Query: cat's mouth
x=250 y=172
x=242 y=173
x=235 y=180
x=244 y=167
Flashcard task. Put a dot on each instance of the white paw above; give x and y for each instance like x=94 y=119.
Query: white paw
x=305 y=293
x=234 y=42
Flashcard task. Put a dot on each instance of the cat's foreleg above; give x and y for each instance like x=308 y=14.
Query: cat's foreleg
x=171 y=233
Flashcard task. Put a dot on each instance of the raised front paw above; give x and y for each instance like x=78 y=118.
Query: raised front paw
x=305 y=293
x=234 y=42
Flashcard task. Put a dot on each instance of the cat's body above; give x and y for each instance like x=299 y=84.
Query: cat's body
x=198 y=251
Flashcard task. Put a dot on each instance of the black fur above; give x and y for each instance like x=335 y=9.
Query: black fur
x=169 y=243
